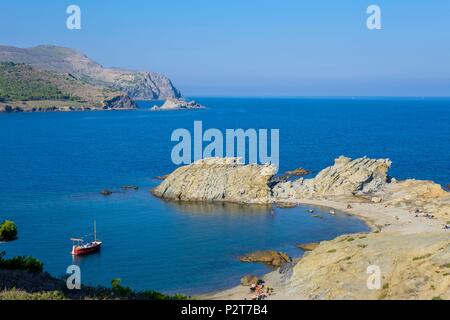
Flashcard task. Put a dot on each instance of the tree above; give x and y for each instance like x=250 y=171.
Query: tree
x=120 y=290
x=8 y=231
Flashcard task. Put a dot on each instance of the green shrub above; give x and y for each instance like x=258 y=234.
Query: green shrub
x=29 y=264
x=8 y=231
x=120 y=290
x=128 y=293
x=155 y=295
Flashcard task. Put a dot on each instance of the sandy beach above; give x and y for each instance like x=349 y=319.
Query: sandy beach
x=383 y=220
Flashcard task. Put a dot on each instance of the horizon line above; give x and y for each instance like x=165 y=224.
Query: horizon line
x=317 y=97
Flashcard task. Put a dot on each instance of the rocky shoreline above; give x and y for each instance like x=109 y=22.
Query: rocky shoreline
x=409 y=242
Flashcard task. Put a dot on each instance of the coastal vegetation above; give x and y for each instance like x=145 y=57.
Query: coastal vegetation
x=23 y=278
x=8 y=231
x=24 y=88
x=128 y=293
x=22 y=82
x=25 y=263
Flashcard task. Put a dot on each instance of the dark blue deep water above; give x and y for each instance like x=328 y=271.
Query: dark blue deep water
x=53 y=165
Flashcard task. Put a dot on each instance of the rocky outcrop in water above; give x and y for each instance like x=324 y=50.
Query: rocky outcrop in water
x=106 y=192
x=218 y=180
x=228 y=180
x=298 y=172
x=363 y=179
x=345 y=177
x=178 y=104
x=269 y=257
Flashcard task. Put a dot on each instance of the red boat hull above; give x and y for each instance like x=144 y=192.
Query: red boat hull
x=79 y=251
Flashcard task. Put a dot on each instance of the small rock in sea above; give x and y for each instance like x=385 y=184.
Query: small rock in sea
x=130 y=188
x=161 y=177
x=298 y=172
x=178 y=104
x=317 y=216
x=249 y=279
x=308 y=246
x=106 y=193
x=311 y=211
x=286 y=205
x=269 y=257
x=448 y=187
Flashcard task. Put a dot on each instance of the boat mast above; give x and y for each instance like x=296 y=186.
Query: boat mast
x=95 y=232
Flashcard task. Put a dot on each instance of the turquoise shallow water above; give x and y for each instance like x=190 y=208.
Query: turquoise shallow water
x=52 y=167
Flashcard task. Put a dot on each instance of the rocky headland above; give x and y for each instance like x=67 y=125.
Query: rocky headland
x=138 y=85
x=409 y=219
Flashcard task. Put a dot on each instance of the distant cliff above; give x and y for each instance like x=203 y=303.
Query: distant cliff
x=139 y=85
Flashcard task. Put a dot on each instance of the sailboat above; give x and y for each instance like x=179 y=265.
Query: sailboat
x=80 y=248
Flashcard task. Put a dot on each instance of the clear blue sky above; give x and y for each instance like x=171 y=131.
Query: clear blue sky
x=254 y=47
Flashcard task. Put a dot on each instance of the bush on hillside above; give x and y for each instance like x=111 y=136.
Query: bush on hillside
x=29 y=264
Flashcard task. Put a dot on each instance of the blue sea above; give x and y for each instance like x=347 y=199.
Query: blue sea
x=53 y=166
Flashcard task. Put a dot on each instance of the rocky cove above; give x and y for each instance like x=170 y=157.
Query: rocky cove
x=409 y=241
x=207 y=238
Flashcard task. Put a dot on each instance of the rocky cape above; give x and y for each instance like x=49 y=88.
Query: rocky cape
x=409 y=219
x=138 y=85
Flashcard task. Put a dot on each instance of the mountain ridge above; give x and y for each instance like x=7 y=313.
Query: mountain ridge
x=139 y=85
